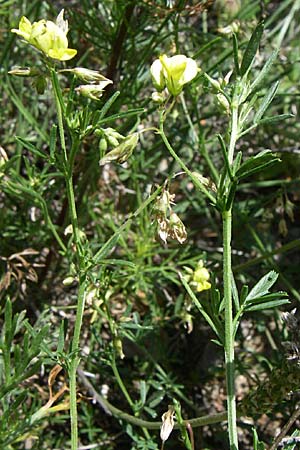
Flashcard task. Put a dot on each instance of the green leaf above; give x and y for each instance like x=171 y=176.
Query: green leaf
x=143 y=391
x=108 y=246
x=264 y=71
x=275 y=119
x=30 y=147
x=106 y=107
x=256 y=164
x=251 y=49
x=263 y=286
x=62 y=336
x=266 y=101
x=244 y=293
x=235 y=294
x=157 y=397
x=236 y=54
x=121 y=115
x=267 y=305
x=8 y=328
x=52 y=145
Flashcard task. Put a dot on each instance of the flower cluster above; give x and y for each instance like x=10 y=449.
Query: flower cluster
x=47 y=36
x=173 y=73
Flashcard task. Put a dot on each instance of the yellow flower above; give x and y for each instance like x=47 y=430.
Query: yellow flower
x=47 y=36
x=173 y=73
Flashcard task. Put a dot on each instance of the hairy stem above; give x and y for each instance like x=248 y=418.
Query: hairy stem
x=227 y=270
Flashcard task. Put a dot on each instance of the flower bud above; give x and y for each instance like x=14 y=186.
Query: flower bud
x=223 y=103
x=87 y=75
x=231 y=29
x=24 y=72
x=102 y=145
x=68 y=281
x=158 y=97
x=119 y=347
x=93 y=91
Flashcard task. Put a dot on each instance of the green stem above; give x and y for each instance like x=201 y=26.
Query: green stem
x=195 y=138
x=229 y=331
x=111 y=409
x=227 y=271
x=120 y=383
x=75 y=362
x=193 y=177
x=125 y=392
x=67 y=169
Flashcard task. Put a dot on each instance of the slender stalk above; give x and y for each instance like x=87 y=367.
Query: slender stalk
x=75 y=362
x=229 y=331
x=227 y=270
x=67 y=168
x=120 y=383
x=192 y=175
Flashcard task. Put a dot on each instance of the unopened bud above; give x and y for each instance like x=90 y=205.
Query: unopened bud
x=214 y=83
x=68 y=281
x=119 y=347
x=87 y=75
x=102 y=145
x=92 y=91
x=24 y=72
x=158 y=97
x=223 y=102
x=234 y=27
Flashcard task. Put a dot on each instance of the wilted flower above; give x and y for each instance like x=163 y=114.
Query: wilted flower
x=167 y=423
x=173 y=73
x=47 y=36
x=168 y=222
x=176 y=228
